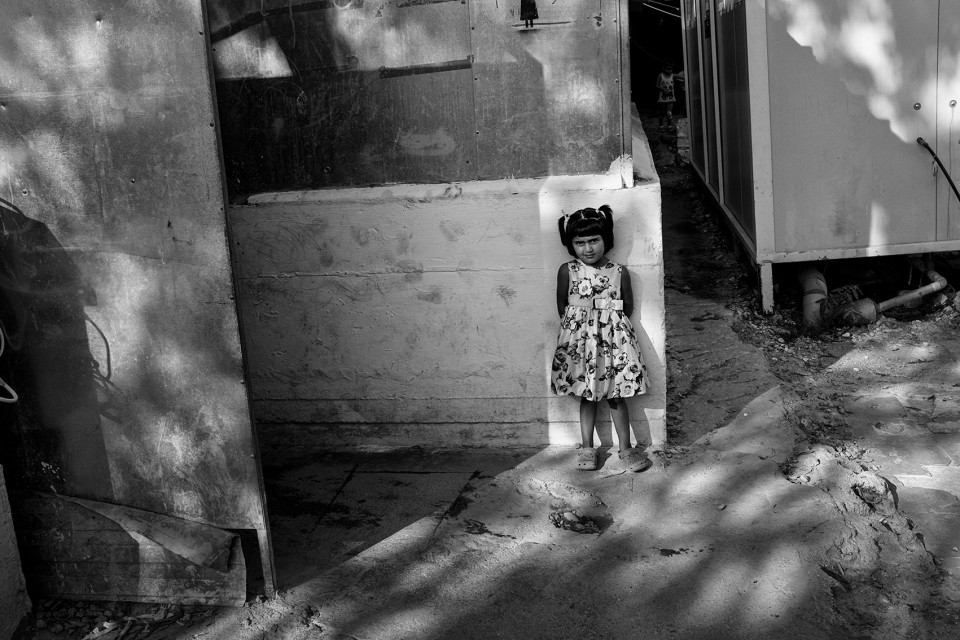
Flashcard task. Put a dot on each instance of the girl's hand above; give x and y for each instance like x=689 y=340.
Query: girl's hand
x=563 y=284
x=626 y=292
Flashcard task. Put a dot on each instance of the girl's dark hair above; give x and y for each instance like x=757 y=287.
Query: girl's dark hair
x=587 y=222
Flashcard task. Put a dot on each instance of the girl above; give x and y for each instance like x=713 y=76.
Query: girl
x=597 y=356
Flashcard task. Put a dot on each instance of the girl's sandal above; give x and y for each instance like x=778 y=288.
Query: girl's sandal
x=635 y=460
x=587 y=459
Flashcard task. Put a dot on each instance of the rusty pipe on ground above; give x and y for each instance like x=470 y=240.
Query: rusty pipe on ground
x=866 y=311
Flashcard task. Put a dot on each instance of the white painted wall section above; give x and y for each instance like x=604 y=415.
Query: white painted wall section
x=426 y=315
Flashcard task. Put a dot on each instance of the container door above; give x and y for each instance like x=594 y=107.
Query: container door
x=698 y=33
x=947 y=141
x=736 y=148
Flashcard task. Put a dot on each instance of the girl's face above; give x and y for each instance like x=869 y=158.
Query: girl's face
x=589 y=249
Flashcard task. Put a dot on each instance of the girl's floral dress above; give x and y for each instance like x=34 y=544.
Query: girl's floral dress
x=597 y=354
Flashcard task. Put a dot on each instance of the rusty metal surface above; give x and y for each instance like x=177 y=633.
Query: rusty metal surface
x=345 y=93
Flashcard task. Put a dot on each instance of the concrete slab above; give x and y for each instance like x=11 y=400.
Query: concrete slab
x=698 y=535
x=946 y=413
x=950 y=444
x=905 y=455
x=942 y=478
x=881 y=415
x=936 y=515
x=327 y=507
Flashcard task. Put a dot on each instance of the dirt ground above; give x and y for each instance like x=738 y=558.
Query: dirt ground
x=809 y=490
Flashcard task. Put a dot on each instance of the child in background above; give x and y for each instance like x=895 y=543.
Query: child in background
x=528 y=12
x=665 y=96
x=597 y=356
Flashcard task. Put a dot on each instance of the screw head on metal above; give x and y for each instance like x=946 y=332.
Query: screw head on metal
x=916 y=106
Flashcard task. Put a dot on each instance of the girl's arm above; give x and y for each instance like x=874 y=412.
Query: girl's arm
x=563 y=286
x=626 y=291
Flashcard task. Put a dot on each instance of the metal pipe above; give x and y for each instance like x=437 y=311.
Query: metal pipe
x=866 y=311
x=923 y=143
x=814 y=293
x=937 y=283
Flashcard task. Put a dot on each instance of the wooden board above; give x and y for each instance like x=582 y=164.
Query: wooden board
x=548 y=98
x=70 y=550
x=370 y=93
x=320 y=94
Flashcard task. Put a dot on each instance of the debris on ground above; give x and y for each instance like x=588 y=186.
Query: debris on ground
x=112 y=620
x=572 y=520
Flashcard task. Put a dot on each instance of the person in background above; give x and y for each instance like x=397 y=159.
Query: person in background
x=665 y=96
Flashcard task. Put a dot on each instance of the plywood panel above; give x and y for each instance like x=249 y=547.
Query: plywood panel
x=129 y=364
x=321 y=94
x=548 y=97
x=318 y=95
x=948 y=120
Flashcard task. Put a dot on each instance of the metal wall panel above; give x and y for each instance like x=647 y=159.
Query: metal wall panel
x=732 y=78
x=948 y=120
x=848 y=173
x=693 y=76
x=548 y=97
x=708 y=73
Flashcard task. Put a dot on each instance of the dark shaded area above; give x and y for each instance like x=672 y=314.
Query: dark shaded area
x=51 y=437
x=656 y=39
x=326 y=507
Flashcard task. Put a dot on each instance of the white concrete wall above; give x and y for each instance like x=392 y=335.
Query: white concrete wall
x=426 y=314
x=14 y=603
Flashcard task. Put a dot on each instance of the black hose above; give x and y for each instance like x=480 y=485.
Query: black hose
x=923 y=143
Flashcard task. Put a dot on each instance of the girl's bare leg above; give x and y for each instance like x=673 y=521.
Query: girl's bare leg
x=621 y=420
x=588 y=419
